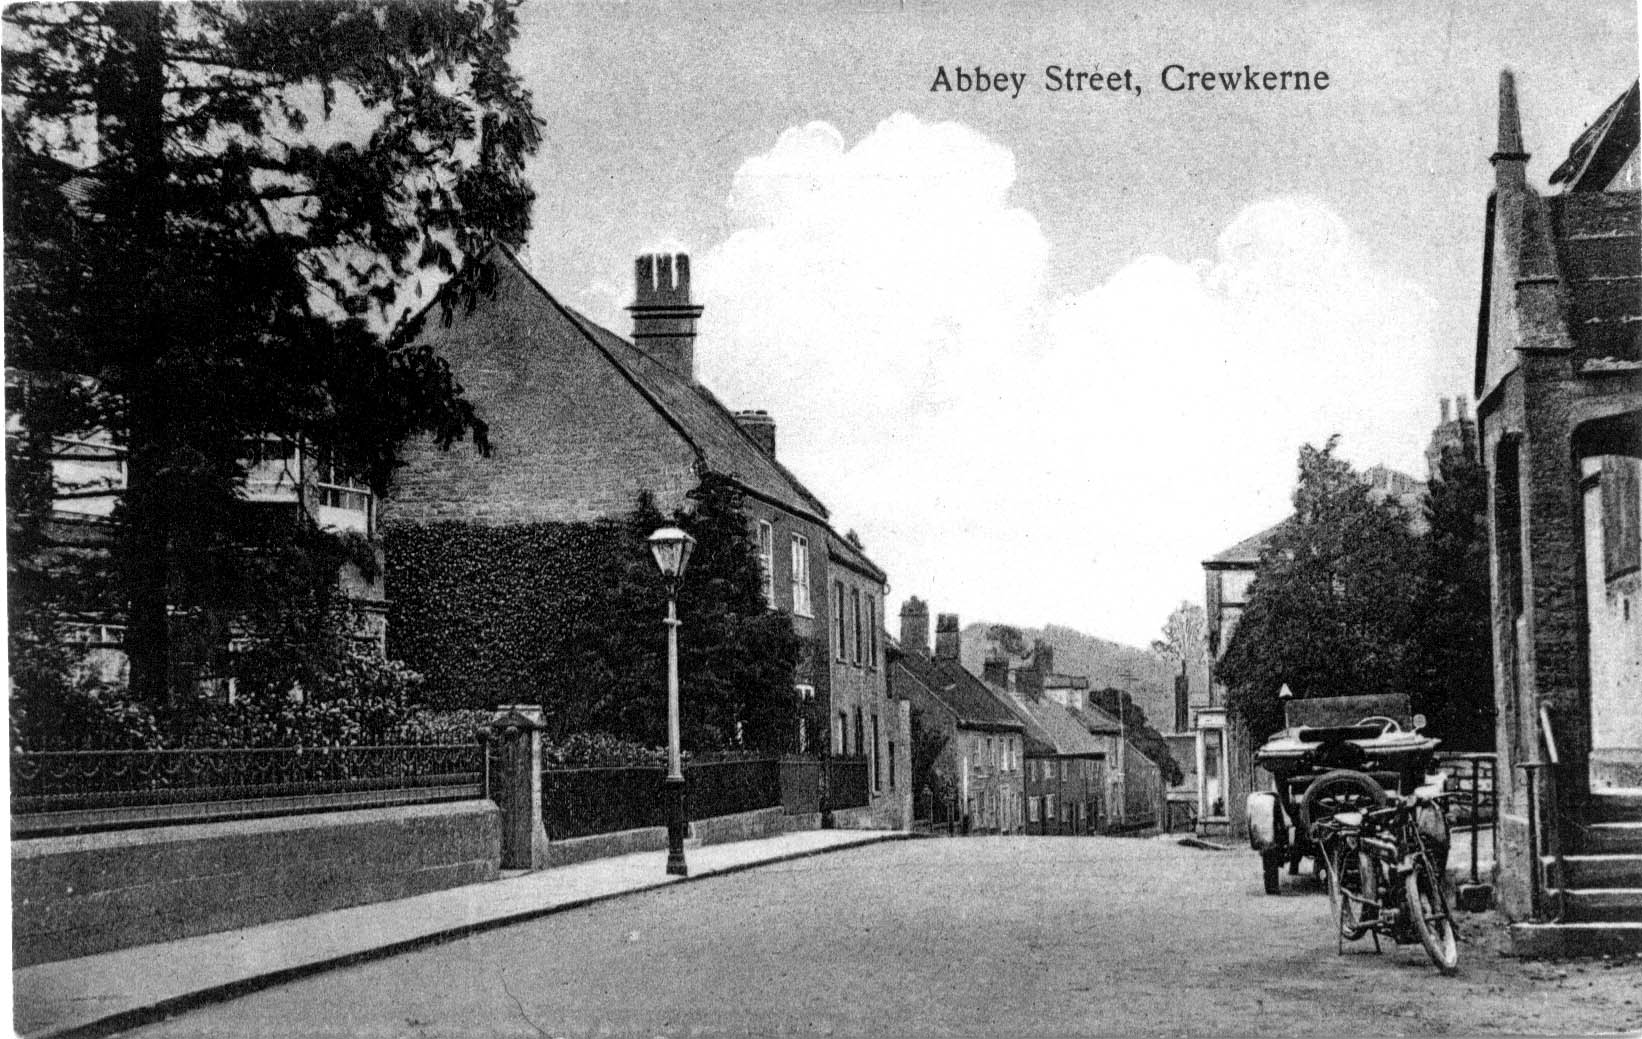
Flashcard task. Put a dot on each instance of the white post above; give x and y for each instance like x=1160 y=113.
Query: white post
x=675 y=769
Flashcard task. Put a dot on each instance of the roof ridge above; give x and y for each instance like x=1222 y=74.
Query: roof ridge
x=573 y=318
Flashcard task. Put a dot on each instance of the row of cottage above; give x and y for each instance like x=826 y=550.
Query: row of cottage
x=582 y=423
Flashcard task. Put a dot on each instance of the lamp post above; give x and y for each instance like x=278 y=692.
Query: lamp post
x=671 y=548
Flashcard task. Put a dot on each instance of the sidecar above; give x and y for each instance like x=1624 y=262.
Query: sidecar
x=1335 y=754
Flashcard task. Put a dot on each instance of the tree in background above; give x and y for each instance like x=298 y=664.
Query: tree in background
x=1453 y=676
x=218 y=219
x=1138 y=731
x=1185 y=642
x=1008 y=640
x=927 y=745
x=1335 y=602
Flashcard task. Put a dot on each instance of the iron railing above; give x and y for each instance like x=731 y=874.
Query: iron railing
x=581 y=802
x=65 y=791
x=1473 y=780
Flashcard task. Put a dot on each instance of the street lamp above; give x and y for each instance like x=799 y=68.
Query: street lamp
x=671 y=547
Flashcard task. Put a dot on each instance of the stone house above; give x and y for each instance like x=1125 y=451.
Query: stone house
x=865 y=720
x=1559 y=404
x=985 y=740
x=583 y=421
x=88 y=475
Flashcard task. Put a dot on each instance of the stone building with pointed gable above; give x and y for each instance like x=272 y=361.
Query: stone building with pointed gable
x=1559 y=406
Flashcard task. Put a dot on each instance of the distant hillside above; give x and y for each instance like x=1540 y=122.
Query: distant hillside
x=1148 y=677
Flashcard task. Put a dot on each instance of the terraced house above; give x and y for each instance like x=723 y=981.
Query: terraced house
x=984 y=749
x=584 y=421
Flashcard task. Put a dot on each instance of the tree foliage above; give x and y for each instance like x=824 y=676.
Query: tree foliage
x=927 y=744
x=1008 y=640
x=1334 y=605
x=1138 y=731
x=218 y=218
x=1453 y=676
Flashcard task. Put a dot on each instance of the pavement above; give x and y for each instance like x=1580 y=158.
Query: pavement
x=108 y=992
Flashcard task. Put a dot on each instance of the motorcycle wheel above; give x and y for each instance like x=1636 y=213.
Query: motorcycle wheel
x=1354 y=877
x=1428 y=908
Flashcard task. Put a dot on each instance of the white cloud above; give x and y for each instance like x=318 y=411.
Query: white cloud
x=1009 y=455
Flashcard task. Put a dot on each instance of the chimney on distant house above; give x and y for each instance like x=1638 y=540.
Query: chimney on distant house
x=915 y=627
x=947 y=637
x=1043 y=657
x=1443 y=404
x=995 y=672
x=664 y=319
x=760 y=426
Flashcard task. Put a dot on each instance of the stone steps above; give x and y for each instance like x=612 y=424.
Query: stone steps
x=1598 y=871
x=1610 y=838
x=1617 y=904
x=1615 y=806
x=1593 y=938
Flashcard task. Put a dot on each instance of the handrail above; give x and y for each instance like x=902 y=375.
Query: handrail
x=1550 y=829
x=1550 y=737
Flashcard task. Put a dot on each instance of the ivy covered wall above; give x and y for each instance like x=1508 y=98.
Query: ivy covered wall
x=569 y=616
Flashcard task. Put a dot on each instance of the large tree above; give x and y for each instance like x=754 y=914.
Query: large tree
x=1185 y=643
x=1334 y=602
x=218 y=221
x=1453 y=677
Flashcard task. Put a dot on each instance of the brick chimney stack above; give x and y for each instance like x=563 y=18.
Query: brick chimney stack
x=664 y=319
x=760 y=426
x=946 y=637
x=995 y=672
x=915 y=627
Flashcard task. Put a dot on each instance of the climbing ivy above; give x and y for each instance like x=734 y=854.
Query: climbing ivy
x=569 y=616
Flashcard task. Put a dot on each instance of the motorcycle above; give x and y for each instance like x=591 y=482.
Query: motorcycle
x=1387 y=874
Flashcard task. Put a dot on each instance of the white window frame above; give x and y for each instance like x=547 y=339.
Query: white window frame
x=801 y=605
x=872 y=632
x=766 y=559
x=840 y=641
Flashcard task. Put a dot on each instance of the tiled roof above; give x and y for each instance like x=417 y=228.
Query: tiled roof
x=1598 y=238
x=708 y=423
x=1604 y=146
x=1248 y=550
x=1095 y=720
x=841 y=549
x=1055 y=726
x=966 y=696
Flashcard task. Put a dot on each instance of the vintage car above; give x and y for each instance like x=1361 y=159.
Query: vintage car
x=1335 y=754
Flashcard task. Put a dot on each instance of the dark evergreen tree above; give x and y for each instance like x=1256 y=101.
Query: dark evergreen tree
x=736 y=656
x=1139 y=731
x=1453 y=679
x=1334 y=602
x=218 y=219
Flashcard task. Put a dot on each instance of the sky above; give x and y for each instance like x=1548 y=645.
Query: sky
x=1047 y=352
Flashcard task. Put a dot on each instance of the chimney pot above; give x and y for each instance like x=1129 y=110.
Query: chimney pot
x=760 y=426
x=947 y=637
x=915 y=627
x=1444 y=406
x=664 y=319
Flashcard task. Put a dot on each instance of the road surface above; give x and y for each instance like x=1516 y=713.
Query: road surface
x=1010 y=936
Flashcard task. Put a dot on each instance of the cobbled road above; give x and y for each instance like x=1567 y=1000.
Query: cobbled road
x=1011 y=936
